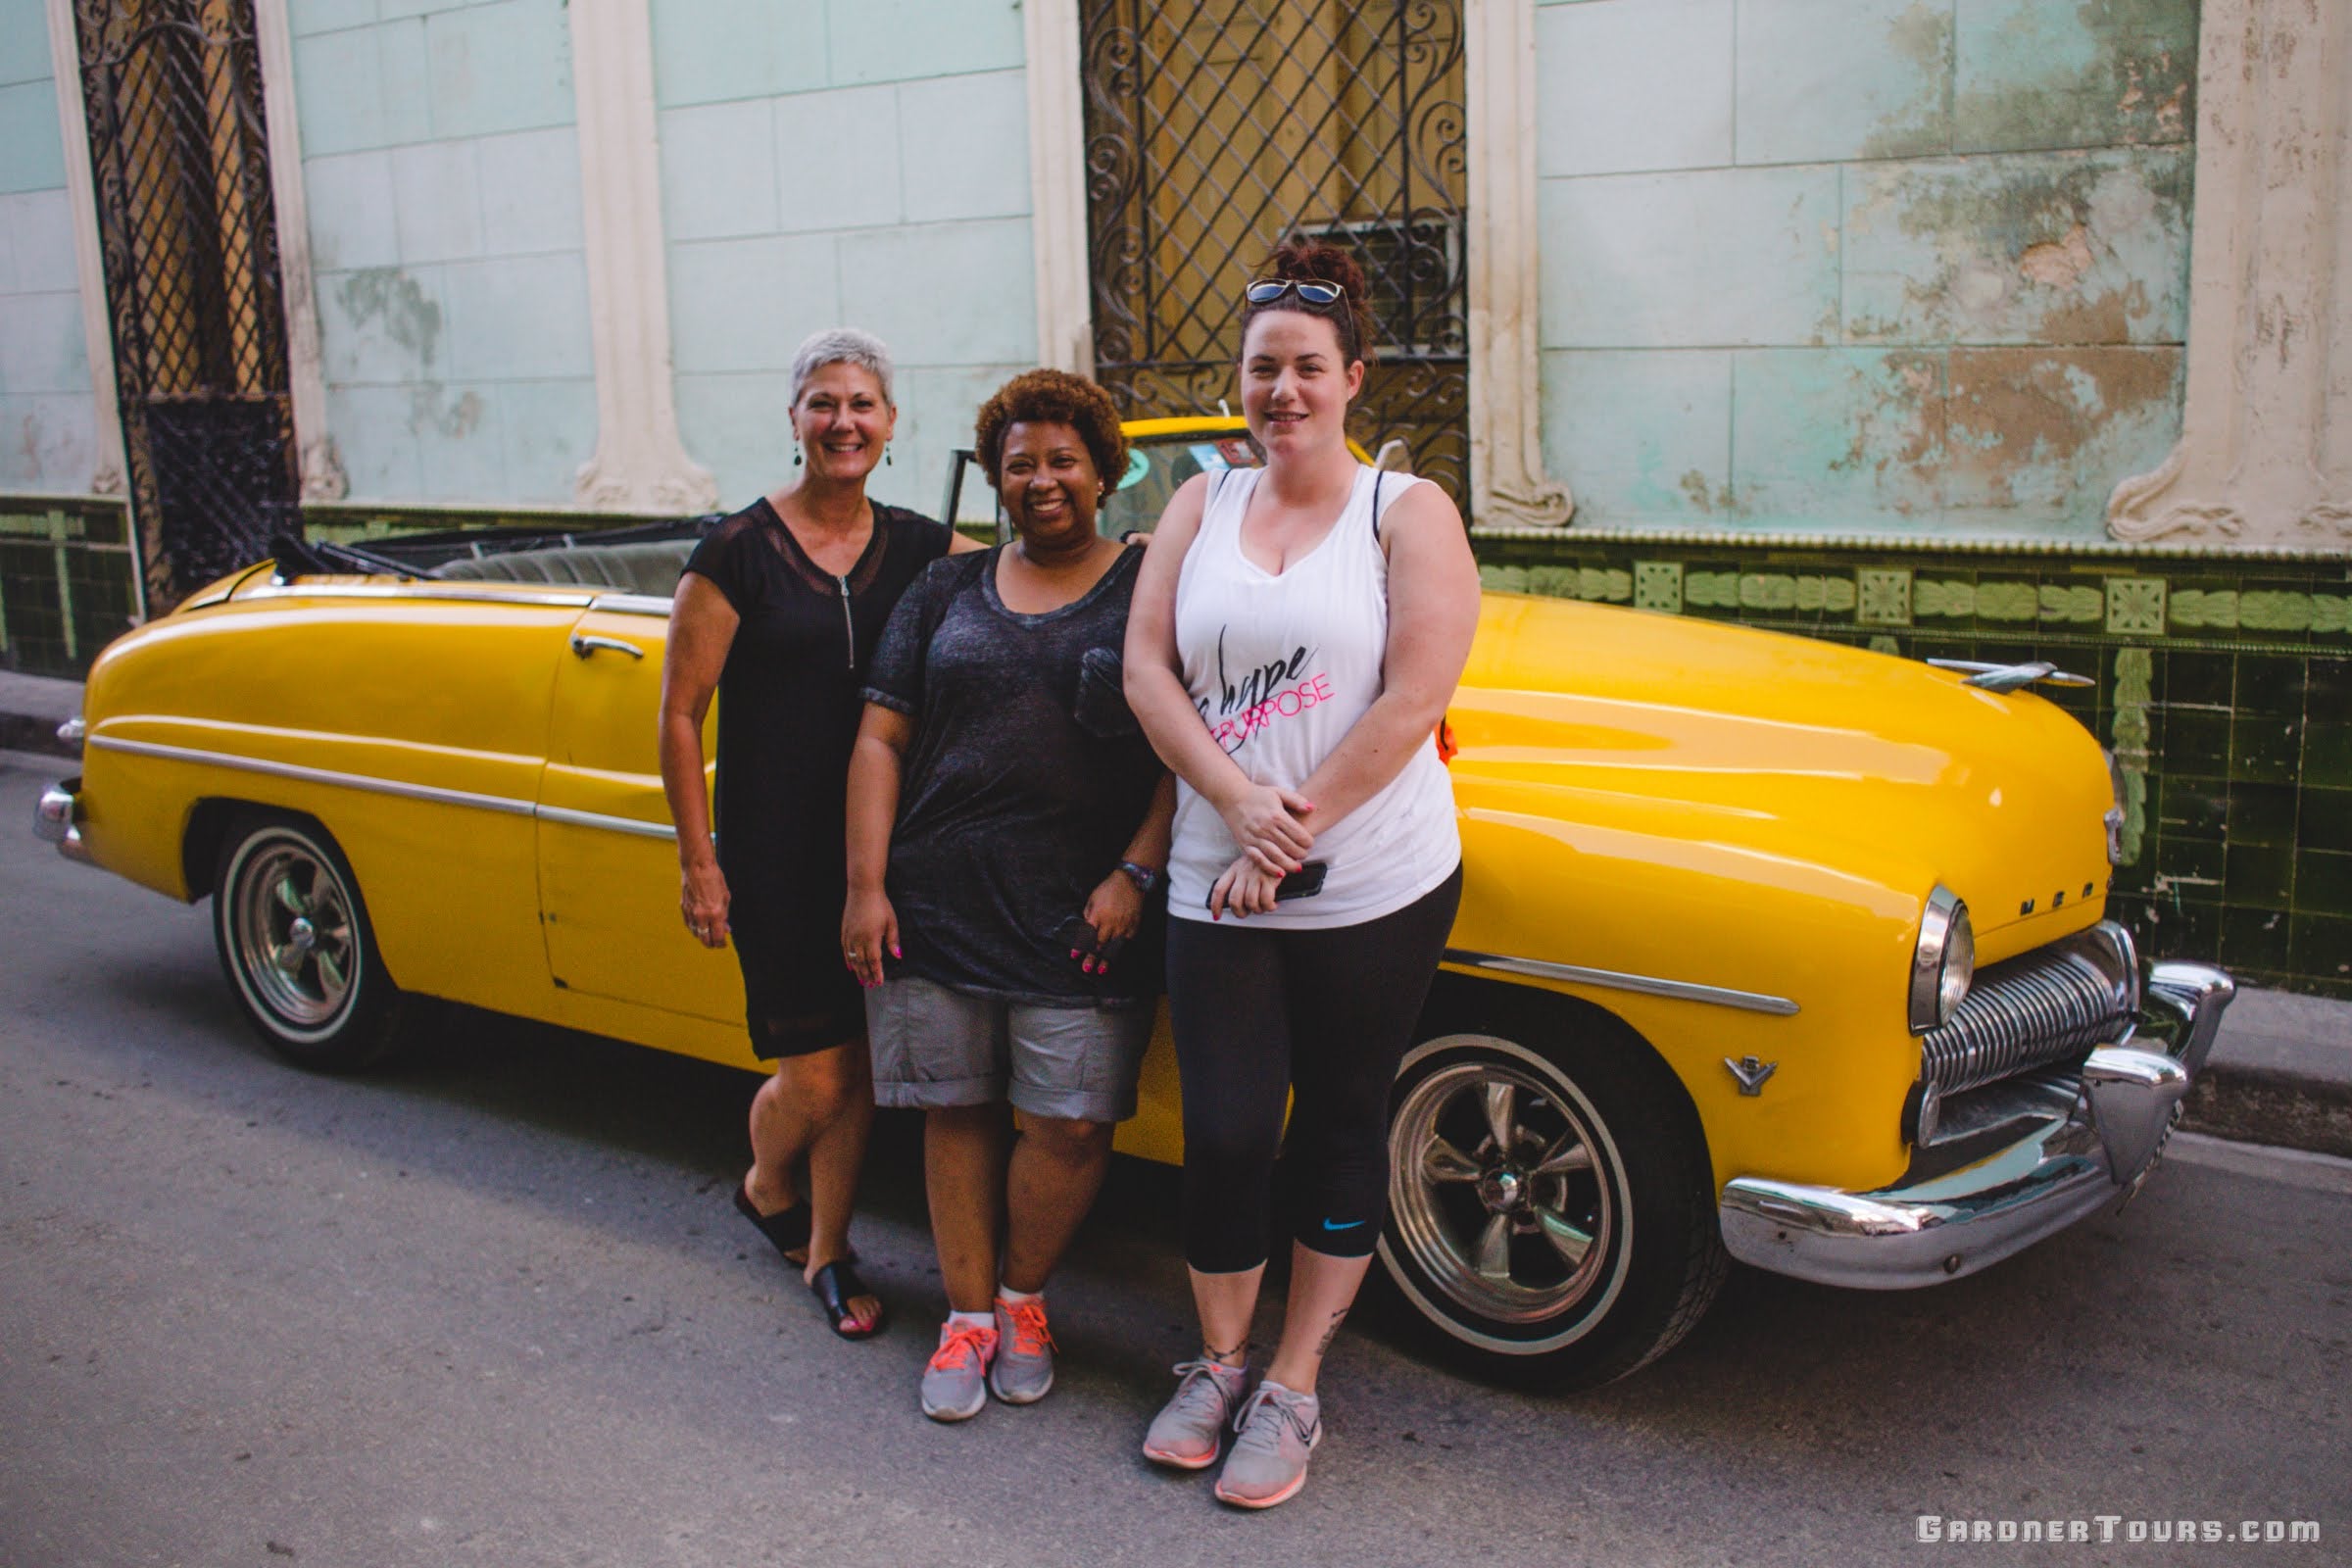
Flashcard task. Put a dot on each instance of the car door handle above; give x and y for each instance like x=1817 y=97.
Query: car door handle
x=583 y=645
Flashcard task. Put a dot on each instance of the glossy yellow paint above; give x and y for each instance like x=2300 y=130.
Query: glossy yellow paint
x=1643 y=795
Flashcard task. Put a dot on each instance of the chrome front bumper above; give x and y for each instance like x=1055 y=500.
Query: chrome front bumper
x=56 y=818
x=2092 y=1149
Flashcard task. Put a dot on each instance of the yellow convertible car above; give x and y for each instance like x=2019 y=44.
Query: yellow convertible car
x=1770 y=950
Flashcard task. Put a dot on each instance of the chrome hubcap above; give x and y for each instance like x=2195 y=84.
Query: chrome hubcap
x=294 y=936
x=1496 y=1194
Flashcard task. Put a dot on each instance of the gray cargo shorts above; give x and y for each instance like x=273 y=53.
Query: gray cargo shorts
x=935 y=1048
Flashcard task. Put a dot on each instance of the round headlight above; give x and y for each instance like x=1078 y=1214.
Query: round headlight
x=1944 y=962
x=1959 y=966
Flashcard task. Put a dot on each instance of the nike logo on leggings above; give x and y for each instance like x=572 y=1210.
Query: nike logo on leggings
x=1335 y=1225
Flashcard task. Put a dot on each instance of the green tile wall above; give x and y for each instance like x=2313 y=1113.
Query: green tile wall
x=2224 y=684
x=67 y=582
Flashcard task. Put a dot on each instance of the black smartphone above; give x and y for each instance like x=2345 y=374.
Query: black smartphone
x=1303 y=883
x=1077 y=935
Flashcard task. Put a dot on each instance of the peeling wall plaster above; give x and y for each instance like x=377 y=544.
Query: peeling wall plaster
x=1972 y=319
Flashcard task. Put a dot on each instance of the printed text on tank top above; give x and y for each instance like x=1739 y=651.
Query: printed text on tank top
x=1272 y=691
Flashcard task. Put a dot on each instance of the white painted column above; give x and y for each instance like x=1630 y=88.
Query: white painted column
x=89 y=257
x=1065 y=326
x=322 y=476
x=2264 y=456
x=640 y=463
x=1508 y=488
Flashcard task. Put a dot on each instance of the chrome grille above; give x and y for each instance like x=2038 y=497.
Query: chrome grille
x=2037 y=1009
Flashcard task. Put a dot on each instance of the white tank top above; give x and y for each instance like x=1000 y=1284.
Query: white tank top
x=1281 y=666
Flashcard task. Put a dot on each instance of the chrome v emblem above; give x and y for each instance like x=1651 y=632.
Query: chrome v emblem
x=1751 y=1073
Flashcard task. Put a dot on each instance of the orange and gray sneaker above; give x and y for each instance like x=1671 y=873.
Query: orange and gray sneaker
x=956 y=1383
x=1022 y=1372
x=1184 y=1434
x=1276 y=1431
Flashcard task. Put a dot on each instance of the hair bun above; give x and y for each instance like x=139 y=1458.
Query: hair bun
x=1301 y=259
x=1319 y=261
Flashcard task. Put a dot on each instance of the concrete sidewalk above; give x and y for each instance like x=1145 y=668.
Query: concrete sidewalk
x=31 y=707
x=2280 y=1072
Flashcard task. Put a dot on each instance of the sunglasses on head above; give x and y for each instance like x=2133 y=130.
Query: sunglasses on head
x=1268 y=290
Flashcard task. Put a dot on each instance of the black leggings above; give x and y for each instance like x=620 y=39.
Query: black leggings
x=1328 y=1014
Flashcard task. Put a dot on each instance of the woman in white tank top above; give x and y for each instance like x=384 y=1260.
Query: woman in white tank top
x=1296 y=632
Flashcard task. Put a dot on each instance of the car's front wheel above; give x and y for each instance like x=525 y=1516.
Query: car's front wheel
x=295 y=942
x=1550 y=1210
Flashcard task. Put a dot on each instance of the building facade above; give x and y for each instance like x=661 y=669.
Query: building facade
x=1987 y=329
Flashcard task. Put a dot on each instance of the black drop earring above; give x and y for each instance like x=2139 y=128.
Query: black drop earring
x=886 y=454
x=796 y=454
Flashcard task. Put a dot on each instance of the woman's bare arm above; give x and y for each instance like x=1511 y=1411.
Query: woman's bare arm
x=869 y=926
x=1265 y=822
x=1433 y=614
x=702 y=628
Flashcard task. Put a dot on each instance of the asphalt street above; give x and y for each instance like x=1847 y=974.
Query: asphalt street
x=490 y=1307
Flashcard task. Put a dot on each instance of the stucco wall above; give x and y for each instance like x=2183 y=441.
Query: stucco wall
x=443 y=179
x=1912 y=267
x=46 y=406
x=843 y=161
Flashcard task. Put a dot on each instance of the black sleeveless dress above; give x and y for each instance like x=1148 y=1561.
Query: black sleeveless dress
x=788 y=710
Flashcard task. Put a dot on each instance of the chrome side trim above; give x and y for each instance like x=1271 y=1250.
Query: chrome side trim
x=632 y=604
x=611 y=824
x=504 y=804
x=565 y=598
x=1647 y=985
x=315 y=775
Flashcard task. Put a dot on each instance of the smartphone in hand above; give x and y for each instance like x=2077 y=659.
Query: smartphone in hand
x=1303 y=883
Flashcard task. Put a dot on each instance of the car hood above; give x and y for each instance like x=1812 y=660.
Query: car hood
x=1791 y=748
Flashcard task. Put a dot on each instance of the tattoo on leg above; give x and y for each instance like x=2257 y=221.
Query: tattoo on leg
x=1330 y=1332
x=1239 y=1355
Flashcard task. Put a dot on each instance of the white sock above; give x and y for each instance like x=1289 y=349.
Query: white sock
x=973 y=1320
x=1015 y=1297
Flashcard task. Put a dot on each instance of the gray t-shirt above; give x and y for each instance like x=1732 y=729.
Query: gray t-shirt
x=1026 y=778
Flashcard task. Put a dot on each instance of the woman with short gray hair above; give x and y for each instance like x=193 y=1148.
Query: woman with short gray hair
x=778 y=613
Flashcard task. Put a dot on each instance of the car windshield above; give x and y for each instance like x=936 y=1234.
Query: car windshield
x=1158 y=464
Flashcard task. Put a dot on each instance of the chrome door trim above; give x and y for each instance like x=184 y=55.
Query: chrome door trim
x=432 y=793
x=563 y=598
x=1647 y=985
x=632 y=604
x=611 y=824
x=504 y=804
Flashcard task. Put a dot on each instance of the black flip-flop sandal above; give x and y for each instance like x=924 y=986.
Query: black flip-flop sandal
x=835 y=1287
x=787 y=1229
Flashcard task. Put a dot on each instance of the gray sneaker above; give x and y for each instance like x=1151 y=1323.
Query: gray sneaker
x=1185 y=1433
x=956 y=1383
x=1276 y=1431
x=1023 y=1370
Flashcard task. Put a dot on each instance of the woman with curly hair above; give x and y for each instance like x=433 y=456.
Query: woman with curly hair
x=1007 y=821
x=1298 y=631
